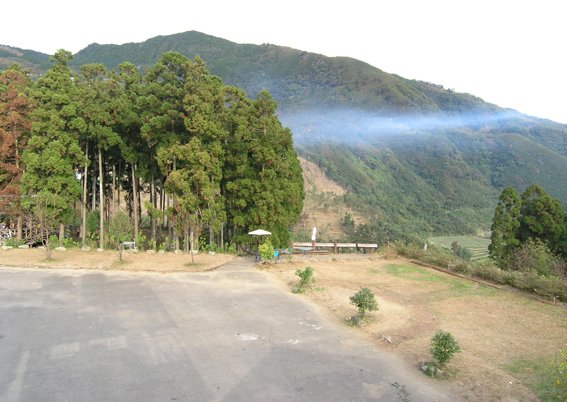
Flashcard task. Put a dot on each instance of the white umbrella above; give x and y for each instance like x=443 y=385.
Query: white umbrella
x=259 y=232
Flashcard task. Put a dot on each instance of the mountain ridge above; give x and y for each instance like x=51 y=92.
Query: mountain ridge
x=413 y=155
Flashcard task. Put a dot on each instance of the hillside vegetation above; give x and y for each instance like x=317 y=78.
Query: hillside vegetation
x=35 y=62
x=414 y=157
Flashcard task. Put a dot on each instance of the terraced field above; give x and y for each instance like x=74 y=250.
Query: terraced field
x=477 y=245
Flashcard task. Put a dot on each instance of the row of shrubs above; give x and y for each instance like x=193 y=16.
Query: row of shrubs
x=552 y=286
x=142 y=243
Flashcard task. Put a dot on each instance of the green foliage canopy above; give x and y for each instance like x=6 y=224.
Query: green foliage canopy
x=49 y=181
x=528 y=231
x=443 y=347
x=505 y=225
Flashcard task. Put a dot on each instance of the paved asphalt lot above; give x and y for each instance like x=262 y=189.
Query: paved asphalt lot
x=228 y=335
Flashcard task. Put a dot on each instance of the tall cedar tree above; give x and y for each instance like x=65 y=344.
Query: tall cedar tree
x=535 y=215
x=263 y=184
x=49 y=182
x=99 y=96
x=15 y=129
x=163 y=114
x=505 y=225
x=204 y=105
x=193 y=162
x=134 y=148
x=542 y=217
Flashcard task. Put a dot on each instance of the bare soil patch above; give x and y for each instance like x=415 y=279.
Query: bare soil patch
x=317 y=181
x=324 y=205
x=495 y=328
x=108 y=260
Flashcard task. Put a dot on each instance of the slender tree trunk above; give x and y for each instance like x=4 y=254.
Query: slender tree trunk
x=168 y=221
x=84 y=199
x=17 y=148
x=176 y=240
x=154 y=205
x=174 y=218
x=93 y=190
x=191 y=240
x=19 y=228
x=28 y=230
x=118 y=199
x=135 y=200
x=44 y=234
x=164 y=206
x=222 y=236
x=186 y=240
x=139 y=195
x=101 y=196
x=113 y=196
x=61 y=232
x=47 y=247
x=161 y=204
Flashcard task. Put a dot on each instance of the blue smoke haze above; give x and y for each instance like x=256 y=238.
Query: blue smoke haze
x=356 y=126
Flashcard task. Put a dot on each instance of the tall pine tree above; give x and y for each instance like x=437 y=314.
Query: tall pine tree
x=99 y=96
x=49 y=182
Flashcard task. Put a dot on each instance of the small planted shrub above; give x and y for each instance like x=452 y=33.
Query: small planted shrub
x=120 y=230
x=141 y=242
x=266 y=250
x=53 y=241
x=559 y=390
x=305 y=279
x=365 y=301
x=443 y=347
x=165 y=245
x=13 y=242
x=93 y=220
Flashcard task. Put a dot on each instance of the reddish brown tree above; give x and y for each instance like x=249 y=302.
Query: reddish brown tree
x=15 y=127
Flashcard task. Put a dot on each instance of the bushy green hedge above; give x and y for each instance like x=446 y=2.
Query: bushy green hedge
x=549 y=287
x=433 y=255
x=546 y=286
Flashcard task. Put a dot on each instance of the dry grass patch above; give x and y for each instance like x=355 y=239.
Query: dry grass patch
x=108 y=260
x=494 y=328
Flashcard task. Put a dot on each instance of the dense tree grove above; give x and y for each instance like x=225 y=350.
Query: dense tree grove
x=529 y=232
x=188 y=157
x=15 y=128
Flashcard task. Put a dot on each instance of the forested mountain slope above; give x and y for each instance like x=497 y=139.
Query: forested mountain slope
x=36 y=62
x=414 y=157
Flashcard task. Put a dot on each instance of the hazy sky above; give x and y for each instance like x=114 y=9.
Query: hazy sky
x=511 y=53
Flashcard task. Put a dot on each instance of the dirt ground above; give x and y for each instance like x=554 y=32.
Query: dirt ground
x=108 y=260
x=496 y=329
